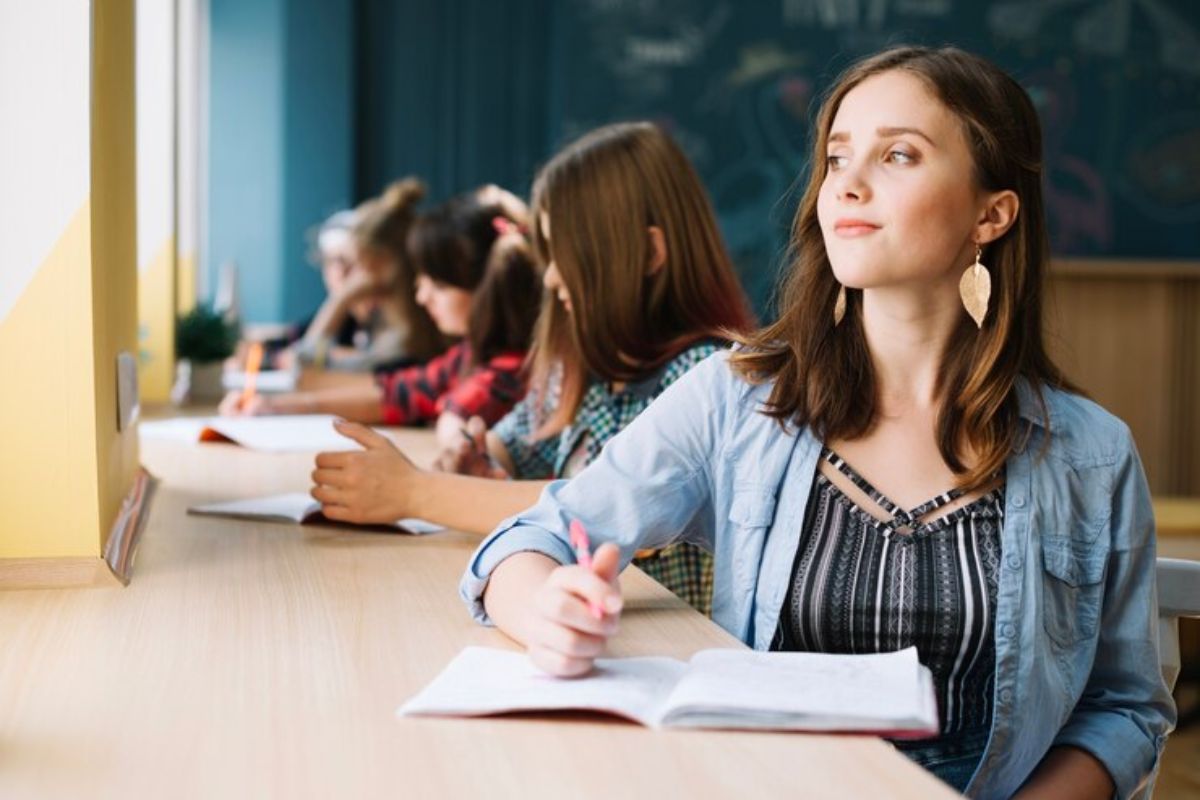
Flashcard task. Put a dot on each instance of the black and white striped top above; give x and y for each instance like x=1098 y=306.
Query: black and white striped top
x=860 y=585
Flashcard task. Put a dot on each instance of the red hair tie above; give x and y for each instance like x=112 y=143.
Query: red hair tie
x=505 y=226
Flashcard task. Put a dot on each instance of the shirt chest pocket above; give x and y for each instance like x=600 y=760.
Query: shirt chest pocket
x=750 y=515
x=1075 y=549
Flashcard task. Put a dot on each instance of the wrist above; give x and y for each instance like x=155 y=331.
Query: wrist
x=411 y=488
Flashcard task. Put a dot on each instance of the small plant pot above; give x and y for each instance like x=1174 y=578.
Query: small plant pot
x=197 y=382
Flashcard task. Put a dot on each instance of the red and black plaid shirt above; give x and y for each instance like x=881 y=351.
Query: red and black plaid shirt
x=420 y=394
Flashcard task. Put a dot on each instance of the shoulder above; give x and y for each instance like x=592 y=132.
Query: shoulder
x=709 y=380
x=1081 y=431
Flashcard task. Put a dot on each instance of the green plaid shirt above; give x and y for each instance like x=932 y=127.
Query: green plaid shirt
x=682 y=568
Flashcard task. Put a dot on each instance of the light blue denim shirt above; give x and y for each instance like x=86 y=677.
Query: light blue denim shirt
x=1075 y=630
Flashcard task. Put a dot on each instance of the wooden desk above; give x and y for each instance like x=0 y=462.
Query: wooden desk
x=267 y=660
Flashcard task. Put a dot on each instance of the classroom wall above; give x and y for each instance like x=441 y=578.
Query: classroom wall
x=68 y=275
x=191 y=171
x=156 y=206
x=279 y=144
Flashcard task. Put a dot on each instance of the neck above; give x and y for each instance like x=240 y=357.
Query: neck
x=907 y=333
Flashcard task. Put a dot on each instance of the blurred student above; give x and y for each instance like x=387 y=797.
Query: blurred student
x=477 y=280
x=370 y=282
x=639 y=290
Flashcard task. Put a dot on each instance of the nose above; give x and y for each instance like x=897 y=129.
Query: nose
x=851 y=184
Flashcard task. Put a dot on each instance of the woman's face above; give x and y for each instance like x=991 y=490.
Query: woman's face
x=898 y=205
x=337 y=259
x=552 y=278
x=449 y=306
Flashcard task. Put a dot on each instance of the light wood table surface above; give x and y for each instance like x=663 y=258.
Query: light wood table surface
x=267 y=660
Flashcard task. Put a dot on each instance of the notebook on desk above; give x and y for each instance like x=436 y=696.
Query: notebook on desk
x=300 y=433
x=297 y=507
x=880 y=693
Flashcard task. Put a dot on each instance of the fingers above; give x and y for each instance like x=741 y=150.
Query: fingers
x=333 y=460
x=557 y=664
x=361 y=434
x=231 y=405
x=477 y=429
x=339 y=513
x=329 y=495
x=572 y=594
x=328 y=477
x=606 y=562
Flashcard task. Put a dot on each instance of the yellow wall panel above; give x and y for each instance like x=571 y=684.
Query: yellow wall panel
x=156 y=330
x=48 y=477
x=114 y=243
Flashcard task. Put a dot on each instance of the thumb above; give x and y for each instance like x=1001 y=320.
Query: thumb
x=606 y=561
x=477 y=429
x=361 y=434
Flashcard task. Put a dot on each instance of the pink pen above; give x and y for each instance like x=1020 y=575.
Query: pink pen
x=583 y=554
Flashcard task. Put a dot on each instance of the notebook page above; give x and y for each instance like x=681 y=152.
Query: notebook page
x=284 y=434
x=485 y=680
x=176 y=429
x=294 y=507
x=810 y=691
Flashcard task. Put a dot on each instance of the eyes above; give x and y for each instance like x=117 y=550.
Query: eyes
x=897 y=156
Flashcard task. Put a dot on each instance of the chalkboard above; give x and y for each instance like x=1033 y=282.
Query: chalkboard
x=1116 y=82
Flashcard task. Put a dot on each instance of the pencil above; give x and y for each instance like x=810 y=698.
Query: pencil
x=253 y=362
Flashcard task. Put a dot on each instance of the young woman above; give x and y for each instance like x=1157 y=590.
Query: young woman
x=896 y=461
x=477 y=280
x=376 y=290
x=640 y=289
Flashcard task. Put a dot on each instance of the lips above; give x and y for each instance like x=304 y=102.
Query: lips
x=850 y=228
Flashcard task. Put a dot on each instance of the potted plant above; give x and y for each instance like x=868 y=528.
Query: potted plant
x=204 y=338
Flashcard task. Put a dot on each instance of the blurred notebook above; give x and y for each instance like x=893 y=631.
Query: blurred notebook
x=267 y=381
x=302 y=433
x=297 y=507
x=880 y=693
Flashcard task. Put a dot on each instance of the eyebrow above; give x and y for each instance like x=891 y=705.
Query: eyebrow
x=885 y=132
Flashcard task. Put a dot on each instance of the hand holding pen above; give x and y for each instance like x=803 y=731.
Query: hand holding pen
x=577 y=609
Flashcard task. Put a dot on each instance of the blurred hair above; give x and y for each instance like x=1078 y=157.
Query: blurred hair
x=381 y=226
x=600 y=195
x=458 y=244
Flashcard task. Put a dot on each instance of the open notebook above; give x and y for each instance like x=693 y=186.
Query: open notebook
x=300 y=433
x=297 y=507
x=882 y=693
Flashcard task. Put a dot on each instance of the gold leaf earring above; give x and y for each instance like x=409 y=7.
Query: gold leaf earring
x=839 y=306
x=975 y=288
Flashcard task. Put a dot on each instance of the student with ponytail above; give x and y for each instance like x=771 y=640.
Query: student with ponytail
x=377 y=291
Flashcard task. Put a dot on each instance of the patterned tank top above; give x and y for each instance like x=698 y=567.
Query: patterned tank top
x=861 y=585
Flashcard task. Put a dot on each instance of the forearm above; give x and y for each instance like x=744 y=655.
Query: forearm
x=329 y=318
x=355 y=403
x=466 y=503
x=1068 y=773
x=510 y=590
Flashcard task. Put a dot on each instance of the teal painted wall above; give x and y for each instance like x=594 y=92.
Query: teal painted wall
x=281 y=95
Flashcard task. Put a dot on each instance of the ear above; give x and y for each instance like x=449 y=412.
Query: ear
x=658 y=250
x=999 y=213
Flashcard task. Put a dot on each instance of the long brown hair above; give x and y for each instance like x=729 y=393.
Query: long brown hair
x=600 y=194
x=381 y=225
x=459 y=243
x=822 y=373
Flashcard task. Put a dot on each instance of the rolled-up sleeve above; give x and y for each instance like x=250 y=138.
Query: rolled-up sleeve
x=1126 y=712
x=650 y=486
